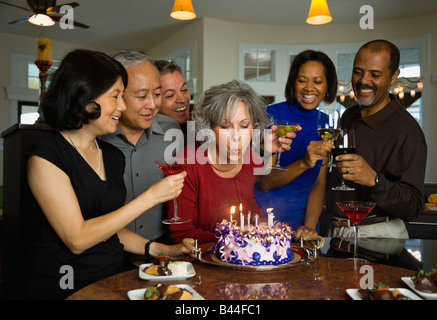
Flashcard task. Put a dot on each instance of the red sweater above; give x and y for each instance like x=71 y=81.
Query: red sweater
x=206 y=199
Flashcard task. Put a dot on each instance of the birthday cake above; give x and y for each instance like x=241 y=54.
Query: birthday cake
x=254 y=245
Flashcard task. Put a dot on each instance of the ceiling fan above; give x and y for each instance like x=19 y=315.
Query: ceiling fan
x=45 y=9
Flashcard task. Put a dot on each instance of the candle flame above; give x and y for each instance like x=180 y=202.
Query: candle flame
x=241 y=207
x=232 y=209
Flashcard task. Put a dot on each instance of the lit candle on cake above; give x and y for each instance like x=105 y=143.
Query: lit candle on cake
x=44 y=49
x=232 y=212
x=241 y=220
x=241 y=216
x=270 y=217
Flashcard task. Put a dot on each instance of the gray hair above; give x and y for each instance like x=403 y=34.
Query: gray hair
x=165 y=66
x=221 y=101
x=132 y=58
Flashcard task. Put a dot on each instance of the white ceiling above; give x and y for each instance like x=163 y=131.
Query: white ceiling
x=142 y=23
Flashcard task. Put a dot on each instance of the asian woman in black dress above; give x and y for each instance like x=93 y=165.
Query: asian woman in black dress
x=77 y=181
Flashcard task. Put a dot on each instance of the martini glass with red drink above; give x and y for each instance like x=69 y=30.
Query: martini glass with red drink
x=356 y=211
x=170 y=169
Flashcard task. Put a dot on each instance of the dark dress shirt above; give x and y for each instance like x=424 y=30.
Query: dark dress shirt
x=393 y=144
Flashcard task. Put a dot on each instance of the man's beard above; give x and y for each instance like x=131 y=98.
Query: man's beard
x=368 y=102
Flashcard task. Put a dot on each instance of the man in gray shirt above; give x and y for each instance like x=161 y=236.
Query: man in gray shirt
x=140 y=136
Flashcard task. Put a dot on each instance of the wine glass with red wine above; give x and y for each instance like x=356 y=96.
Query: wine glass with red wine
x=356 y=211
x=170 y=169
x=344 y=144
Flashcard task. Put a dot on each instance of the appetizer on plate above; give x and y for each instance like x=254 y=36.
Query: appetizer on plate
x=167 y=292
x=426 y=282
x=163 y=266
x=382 y=292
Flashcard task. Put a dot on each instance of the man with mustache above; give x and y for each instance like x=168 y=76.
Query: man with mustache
x=140 y=135
x=389 y=165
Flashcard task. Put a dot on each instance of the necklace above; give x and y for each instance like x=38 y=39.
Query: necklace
x=83 y=156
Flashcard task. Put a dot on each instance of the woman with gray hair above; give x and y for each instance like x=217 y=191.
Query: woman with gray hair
x=226 y=168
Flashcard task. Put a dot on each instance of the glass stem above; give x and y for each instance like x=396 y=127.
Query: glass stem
x=279 y=157
x=356 y=242
x=175 y=217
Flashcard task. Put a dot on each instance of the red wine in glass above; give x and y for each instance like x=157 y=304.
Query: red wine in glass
x=356 y=211
x=339 y=151
x=169 y=170
x=344 y=144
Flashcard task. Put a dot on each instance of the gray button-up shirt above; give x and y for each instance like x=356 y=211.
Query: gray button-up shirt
x=141 y=172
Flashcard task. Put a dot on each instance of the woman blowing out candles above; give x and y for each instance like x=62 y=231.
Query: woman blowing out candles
x=223 y=174
x=79 y=215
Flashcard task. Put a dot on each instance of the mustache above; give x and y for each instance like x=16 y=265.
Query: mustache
x=364 y=86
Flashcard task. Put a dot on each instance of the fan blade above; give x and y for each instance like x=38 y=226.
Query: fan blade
x=77 y=24
x=13 y=5
x=55 y=9
x=20 y=20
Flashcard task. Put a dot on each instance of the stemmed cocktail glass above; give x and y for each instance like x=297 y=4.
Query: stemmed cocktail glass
x=344 y=144
x=328 y=126
x=283 y=127
x=356 y=211
x=170 y=169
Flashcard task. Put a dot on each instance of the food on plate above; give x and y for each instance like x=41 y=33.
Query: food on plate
x=382 y=292
x=167 y=292
x=178 y=268
x=426 y=282
x=162 y=260
x=163 y=266
x=159 y=266
x=254 y=245
x=432 y=198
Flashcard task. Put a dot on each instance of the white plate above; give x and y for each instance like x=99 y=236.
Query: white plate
x=138 y=294
x=354 y=294
x=145 y=276
x=409 y=282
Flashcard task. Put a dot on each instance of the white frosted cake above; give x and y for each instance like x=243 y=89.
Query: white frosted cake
x=254 y=245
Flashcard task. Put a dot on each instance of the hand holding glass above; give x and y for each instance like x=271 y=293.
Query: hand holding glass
x=283 y=127
x=171 y=169
x=344 y=144
x=328 y=121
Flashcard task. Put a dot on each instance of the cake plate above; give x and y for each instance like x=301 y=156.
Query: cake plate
x=204 y=253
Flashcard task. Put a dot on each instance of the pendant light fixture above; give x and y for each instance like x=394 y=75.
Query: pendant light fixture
x=183 y=10
x=319 y=13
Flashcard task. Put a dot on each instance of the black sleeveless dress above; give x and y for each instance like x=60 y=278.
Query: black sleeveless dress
x=52 y=266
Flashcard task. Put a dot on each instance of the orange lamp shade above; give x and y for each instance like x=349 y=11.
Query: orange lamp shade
x=319 y=12
x=183 y=10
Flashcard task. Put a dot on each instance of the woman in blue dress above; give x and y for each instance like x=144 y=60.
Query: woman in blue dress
x=297 y=194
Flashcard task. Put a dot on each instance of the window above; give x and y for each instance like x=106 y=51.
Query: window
x=258 y=65
x=187 y=75
x=32 y=76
